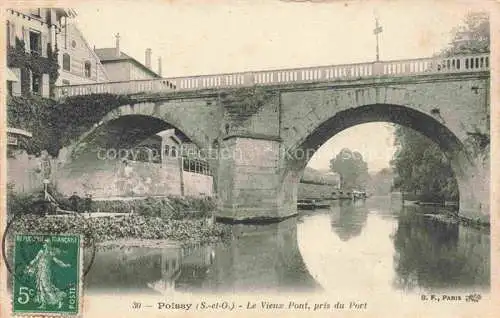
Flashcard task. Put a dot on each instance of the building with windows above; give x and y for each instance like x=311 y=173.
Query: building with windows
x=171 y=150
x=32 y=69
x=40 y=31
x=35 y=32
x=195 y=175
x=79 y=64
x=160 y=167
x=122 y=67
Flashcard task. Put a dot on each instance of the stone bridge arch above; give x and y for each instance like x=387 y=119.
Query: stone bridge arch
x=444 y=109
x=470 y=183
x=149 y=118
x=125 y=127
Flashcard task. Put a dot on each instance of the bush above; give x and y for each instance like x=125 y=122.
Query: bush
x=176 y=208
x=18 y=203
x=25 y=203
x=128 y=226
x=170 y=208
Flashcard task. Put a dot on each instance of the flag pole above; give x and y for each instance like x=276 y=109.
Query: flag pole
x=377 y=31
x=378 y=55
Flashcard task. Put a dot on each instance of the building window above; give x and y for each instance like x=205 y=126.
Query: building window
x=65 y=82
x=12 y=34
x=36 y=84
x=9 y=87
x=196 y=166
x=66 y=62
x=36 y=12
x=88 y=68
x=8 y=34
x=73 y=44
x=48 y=16
x=25 y=81
x=35 y=42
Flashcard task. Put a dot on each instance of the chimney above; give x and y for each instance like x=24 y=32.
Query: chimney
x=159 y=65
x=148 y=58
x=117 y=47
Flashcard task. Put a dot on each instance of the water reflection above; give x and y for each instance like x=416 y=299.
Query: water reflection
x=262 y=258
x=150 y=270
x=258 y=258
x=432 y=254
x=373 y=245
x=348 y=219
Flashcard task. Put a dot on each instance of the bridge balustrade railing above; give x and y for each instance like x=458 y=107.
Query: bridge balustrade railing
x=120 y=88
x=456 y=64
x=436 y=65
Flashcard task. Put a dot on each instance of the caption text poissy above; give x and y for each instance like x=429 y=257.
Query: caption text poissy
x=252 y=305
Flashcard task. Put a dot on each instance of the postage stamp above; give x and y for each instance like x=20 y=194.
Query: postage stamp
x=47 y=274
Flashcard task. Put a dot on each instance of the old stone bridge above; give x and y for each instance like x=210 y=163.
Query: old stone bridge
x=258 y=129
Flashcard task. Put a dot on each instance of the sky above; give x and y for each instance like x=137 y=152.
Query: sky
x=208 y=37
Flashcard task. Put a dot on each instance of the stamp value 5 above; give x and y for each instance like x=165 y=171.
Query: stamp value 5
x=47 y=274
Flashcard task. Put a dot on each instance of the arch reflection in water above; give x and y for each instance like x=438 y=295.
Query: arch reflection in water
x=170 y=265
x=361 y=247
x=258 y=258
x=148 y=270
x=391 y=252
x=433 y=254
x=262 y=258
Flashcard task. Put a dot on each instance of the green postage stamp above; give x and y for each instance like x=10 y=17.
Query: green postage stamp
x=47 y=274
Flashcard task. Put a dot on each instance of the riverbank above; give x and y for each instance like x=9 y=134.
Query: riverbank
x=183 y=220
x=135 y=242
x=449 y=212
x=131 y=228
x=448 y=217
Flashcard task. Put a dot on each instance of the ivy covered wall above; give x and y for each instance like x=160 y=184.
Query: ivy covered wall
x=18 y=57
x=56 y=125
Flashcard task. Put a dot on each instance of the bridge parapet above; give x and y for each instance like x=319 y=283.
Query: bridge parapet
x=330 y=73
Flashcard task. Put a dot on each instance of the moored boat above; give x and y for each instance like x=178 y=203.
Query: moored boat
x=307 y=204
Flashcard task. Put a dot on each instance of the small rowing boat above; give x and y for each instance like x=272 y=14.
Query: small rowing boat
x=311 y=204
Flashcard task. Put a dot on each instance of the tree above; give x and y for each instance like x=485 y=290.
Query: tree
x=381 y=182
x=351 y=167
x=471 y=37
x=419 y=164
x=422 y=168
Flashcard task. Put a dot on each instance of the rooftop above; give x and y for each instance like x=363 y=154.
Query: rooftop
x=107 y=55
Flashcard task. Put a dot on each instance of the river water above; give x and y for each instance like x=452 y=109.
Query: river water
x=374 y=245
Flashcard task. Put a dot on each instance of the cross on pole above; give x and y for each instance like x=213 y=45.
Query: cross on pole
x=376 y=31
